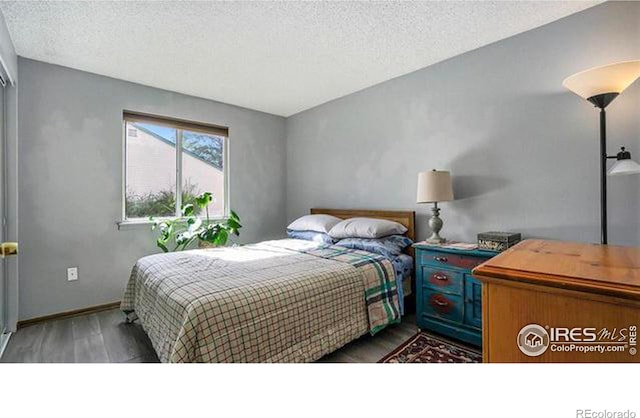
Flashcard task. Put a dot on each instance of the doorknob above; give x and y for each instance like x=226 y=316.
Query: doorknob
x=8 y=248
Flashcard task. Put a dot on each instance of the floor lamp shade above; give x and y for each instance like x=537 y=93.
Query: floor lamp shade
x=612 y=78
x=434 y=186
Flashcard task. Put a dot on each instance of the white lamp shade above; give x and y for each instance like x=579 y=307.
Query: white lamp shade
x=613 y=78
x=622 y=167
x=434 y=186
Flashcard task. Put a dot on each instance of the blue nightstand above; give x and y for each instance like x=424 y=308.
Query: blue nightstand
x=448 y=297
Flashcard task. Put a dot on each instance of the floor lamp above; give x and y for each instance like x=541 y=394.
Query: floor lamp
x=600 y=86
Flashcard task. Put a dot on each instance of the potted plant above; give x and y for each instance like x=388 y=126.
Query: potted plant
x=190 y=227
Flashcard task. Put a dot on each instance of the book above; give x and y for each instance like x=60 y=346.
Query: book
x=454 y=245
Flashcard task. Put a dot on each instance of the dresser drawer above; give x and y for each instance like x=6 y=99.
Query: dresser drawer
x=444 y=306
x=435 y=258
x=446 y=281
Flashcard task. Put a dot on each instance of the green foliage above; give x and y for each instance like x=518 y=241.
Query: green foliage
x=184 y=231
x=206 y=147
x=162 y=203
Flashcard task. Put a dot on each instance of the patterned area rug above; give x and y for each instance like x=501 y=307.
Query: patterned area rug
x=428 y=348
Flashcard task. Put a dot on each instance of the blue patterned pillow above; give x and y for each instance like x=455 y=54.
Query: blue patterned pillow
x=389 y=247
x=310 y=236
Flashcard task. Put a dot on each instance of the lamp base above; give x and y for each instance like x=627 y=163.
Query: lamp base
x=435 y=223
x=435 y=240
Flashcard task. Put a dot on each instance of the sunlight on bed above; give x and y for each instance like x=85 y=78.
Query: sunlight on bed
x=259 y=251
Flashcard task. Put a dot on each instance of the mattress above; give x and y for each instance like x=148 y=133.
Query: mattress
x=276 y=301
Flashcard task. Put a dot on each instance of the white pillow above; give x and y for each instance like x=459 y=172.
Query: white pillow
x=317 y=223
x=366 y=228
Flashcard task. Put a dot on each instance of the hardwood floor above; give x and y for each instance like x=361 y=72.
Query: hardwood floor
x=370 y=349
x=103 y=337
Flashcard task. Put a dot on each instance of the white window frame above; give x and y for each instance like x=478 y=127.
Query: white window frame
x=180 y=126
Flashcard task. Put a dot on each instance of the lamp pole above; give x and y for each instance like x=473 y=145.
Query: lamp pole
x=602 y=101
x=603 y=176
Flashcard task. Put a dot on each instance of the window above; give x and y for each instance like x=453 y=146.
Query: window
x=168 y=163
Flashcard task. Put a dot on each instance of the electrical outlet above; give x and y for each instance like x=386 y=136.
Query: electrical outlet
x=72 y=274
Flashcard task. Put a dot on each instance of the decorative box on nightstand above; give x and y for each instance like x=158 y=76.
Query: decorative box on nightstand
x=448 y=297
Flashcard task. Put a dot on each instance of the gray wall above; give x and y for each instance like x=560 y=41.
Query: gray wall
x=70 y=181
x=523 y=151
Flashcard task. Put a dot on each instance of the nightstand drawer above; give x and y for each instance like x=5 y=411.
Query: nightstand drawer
x=473 y=302
x=446 y=281
x=442 y=305
x=464 y=262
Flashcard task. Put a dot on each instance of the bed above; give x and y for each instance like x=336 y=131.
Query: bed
x=275 y=301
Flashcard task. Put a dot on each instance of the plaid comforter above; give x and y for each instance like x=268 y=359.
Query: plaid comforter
x=276 y=301
x=380 y=288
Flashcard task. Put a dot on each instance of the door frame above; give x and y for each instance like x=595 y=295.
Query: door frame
x=10 y=209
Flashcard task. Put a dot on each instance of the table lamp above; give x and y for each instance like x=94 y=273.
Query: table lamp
x=434 y=186
x=600 y=86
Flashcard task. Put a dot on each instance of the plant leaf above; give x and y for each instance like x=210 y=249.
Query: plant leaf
x=188 y=209
x=203 y=199
x=221 y=237
x=232 y=223
x=162 y=246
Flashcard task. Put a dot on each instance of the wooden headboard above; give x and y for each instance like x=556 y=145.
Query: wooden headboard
x=406 y=218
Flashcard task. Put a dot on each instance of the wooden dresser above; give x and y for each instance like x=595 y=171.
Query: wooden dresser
x=554 y=301
x=448 y=298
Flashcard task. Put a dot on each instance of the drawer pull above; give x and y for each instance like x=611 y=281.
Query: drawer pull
x=440 y=259
x=440 y=302
x=441 y=277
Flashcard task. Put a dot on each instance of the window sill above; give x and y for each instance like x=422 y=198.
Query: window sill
x=146 y=223
x=137 y=224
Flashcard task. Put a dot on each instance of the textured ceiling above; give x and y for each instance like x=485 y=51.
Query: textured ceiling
x=278 y=57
